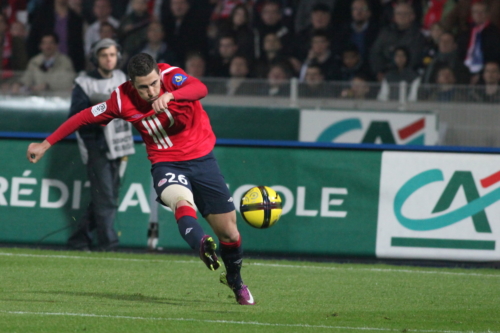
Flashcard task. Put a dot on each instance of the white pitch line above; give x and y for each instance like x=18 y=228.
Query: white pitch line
x=230 y=322
x=383 y=270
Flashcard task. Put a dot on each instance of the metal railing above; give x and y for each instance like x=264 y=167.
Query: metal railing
x=469 y=115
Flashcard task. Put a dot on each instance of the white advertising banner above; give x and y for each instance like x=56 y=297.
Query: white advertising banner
x=403 y=128
x=439 y=206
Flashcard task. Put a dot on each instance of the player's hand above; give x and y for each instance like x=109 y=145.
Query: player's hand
x=37 y=150
x=162 y=102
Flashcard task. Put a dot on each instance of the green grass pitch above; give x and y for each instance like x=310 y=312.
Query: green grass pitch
x=56 y=291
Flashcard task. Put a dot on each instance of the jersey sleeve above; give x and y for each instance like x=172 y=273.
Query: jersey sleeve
x=183 y=86
x=101 y=113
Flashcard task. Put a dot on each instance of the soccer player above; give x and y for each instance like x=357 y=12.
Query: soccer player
x=162 y=103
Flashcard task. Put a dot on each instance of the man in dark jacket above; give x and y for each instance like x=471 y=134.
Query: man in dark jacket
x=404 y=32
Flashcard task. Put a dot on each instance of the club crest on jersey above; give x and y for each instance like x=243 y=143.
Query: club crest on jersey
x=179 y=79
x=98 y=109
x=161 y=182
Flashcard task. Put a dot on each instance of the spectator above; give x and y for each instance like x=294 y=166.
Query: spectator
x=272 y=53
x=388 y=8
x=304 y=9
x=132 y=32
x=14 y=10
x=49 y=71
x=238 y=24
x=434 y=11
x=183 y=31
x=12 y=48
x=490 y=91
x=237 y=83
x=481 y=43
x=287 y=11
x=156 y=47
x=219 y=64
x=389 y=89
x=446 y=90
x=403 y=32
x=55 y=16
x=102 y=12
x=106 y=30
x=359 y=89
x=447 y=56
x=352 y=65
x=431 y=44
x=195 y=65
x=76 y=6
x=314 y=83
x=360 y=31
x=459 y=18
x=223 y=10
x=278 y=80
x=272 y=21
x=321 y=54
x=320 y=20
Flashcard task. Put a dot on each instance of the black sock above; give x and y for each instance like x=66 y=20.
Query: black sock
x=191 y=231
x=232 y=256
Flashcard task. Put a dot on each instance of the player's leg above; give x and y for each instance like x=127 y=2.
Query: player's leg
x=215 y=203
x=231 y=251
x=180 y=200
x=174 y=191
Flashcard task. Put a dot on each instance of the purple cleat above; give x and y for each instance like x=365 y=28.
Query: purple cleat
x=243 y=295
x=207 y=253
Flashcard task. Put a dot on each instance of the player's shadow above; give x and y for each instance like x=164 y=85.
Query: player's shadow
x=136 y=297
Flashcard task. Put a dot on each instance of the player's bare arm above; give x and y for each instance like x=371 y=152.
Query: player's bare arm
x=36 y=151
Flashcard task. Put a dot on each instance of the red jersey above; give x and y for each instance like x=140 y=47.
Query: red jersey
x=181 y=133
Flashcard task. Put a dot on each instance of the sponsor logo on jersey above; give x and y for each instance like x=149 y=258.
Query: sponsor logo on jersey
x=179 y=79
x=135 y=116
x=162 y=182
x=98 y=109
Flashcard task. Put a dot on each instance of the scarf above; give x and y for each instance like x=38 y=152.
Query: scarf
x=474 y=59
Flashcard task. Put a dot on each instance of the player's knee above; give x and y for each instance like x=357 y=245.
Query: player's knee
x=229 y=236
x=175 y=196
x=184 y=210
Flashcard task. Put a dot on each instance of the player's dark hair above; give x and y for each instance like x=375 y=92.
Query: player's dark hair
x=141 y=65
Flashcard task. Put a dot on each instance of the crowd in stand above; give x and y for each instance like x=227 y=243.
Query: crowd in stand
x=443 y=42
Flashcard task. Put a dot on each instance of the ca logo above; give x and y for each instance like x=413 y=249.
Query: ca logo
x=377 y=131
x=475 y=207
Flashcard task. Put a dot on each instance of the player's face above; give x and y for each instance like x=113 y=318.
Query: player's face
x=148 y=87
x=108 y=58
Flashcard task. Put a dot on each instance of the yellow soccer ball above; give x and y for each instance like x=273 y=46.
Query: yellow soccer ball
x=261 y=207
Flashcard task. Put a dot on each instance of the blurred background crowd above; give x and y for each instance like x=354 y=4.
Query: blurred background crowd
x=442 y=42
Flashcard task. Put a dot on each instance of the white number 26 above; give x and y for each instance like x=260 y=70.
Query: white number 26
x=181 y=178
